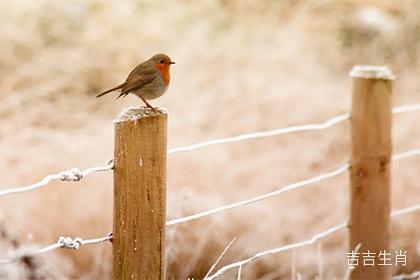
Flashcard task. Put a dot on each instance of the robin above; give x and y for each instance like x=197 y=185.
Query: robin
x=149 y=80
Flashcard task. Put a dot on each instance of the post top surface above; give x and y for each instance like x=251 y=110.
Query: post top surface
x=137 y=113
x=372 y=72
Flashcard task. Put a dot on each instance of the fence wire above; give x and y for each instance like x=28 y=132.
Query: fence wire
x=407 y=154
x=76 y=243
x=280 y=131
x=406 y=108
x=412 y=276
x=290 y=187
x=312 y=240
x=277 y=192
x=62 y=243
x=70 y=175
x=76 y=174
x=261 y=134
x=404 y=211
x=307 y=242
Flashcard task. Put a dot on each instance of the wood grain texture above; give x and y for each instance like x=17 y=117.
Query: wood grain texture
x=370 y=172
x=139 y=194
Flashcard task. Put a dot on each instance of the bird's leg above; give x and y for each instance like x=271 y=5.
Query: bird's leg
x=148 y=104
x=145 y=102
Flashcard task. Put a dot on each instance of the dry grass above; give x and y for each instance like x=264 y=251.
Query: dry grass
x=240 y=67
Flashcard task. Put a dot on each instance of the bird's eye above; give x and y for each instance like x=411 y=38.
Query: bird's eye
x=162 y=61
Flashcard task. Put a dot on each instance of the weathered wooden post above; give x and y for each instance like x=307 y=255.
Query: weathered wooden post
x=139 y=194
x=370 y=168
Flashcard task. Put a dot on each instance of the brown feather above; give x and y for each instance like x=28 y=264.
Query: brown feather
x=140 y=76
x=112 y=89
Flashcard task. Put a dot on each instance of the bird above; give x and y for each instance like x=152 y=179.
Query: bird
x=148 y=80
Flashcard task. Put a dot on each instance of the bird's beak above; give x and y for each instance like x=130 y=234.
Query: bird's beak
x=171 y=62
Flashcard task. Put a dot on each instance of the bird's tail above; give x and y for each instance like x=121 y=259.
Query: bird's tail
x=112 y=89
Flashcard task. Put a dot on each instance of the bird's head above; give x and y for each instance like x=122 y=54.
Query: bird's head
x=162 y=62
x=161 y=59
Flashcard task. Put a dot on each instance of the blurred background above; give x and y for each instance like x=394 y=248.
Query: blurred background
x=241 y=66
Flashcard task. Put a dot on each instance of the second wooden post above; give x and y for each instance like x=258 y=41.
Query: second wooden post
x=370 y=169
x=139 y=194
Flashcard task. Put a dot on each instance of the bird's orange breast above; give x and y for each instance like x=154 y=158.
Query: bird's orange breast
x=164 y=71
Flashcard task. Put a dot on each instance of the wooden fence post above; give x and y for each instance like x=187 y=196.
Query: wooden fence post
x=370 y=168
x=139 y=194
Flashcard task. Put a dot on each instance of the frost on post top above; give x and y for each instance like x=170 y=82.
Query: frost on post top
x=372 y=72
x=137 y=113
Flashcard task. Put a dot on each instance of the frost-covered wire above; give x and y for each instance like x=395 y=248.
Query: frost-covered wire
x=261 y=134
x=73 y=174
x=412 y=276
x=312 y=240
x=407 y=154
x=277 y=192
x=279 y=131
x=406 y=108
x=294 y=186
x=62 y=242
x=76 y=174
x=404 y=211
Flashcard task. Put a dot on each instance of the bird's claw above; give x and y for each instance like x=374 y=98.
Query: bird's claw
x=154 y=109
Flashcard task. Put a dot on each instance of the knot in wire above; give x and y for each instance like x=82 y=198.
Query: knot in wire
x=110 y=162
x=69 y=243
x=71 y=175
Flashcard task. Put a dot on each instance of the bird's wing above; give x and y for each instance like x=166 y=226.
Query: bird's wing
x=138 y=77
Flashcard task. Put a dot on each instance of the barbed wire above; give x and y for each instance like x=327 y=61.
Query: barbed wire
x=290 y=187
x=279 y=131
x=307 y=242
x=70 y=175
x=62 y=243
x=287 y=188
